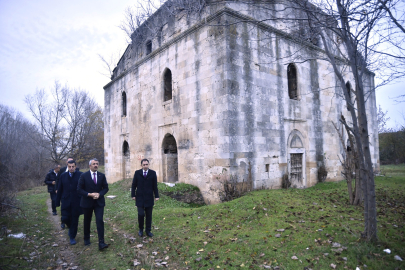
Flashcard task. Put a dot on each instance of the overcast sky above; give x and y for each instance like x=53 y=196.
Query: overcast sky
x=46 y=40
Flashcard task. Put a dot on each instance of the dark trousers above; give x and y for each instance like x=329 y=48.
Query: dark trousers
x=142 y=212
x=71 y=220
x=88 y=214
x=74 y=222
x=53 y=199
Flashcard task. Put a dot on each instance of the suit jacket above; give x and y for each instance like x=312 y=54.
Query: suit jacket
x=62 y=171
x=49 y=178
x=68 y=195
x=144 y=188
x=86 y=186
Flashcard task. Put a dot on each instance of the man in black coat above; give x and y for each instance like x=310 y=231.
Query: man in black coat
x=51 y=179
x=67 y=194
x=62 y=171
x=144 y=185
x=65 y=169
x=93 y=186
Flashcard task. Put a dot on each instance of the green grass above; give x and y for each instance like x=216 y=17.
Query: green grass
x=242 y=233
x=393 y=170
x=33 y=221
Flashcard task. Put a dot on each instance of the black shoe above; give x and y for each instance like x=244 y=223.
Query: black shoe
x=102 y=245
x=149 y=234
x=87 y=242
x=62 y=225
x=140 y=233
x=54 y=213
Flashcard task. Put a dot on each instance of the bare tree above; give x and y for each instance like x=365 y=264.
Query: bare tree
x=22 y=155
x=109 y=63
x=50 y=118
x=350 y=164
x=143 y=20
x=65 y=120
x=351 y=36
x=382 y=119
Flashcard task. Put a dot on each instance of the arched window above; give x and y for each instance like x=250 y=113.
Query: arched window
x=124 y=104
x=148 y=47
x=167 y=85
x=125 y=149
x=349 y=92
x=292 y=81
x=348 y=89
x=169 y=144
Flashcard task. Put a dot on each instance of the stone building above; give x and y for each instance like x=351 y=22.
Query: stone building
x=220 y=95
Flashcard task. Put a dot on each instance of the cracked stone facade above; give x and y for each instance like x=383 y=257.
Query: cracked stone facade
x=207 y=99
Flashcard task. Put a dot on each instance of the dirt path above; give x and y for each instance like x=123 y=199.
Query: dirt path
x=67 y=258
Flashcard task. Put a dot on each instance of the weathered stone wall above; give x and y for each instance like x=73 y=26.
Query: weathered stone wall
x=230 y=112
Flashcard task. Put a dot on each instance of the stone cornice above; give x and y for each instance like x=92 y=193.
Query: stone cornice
x=205 y=22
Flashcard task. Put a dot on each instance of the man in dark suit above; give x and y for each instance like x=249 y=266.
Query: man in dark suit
x=93 y=186
x=67 y=193
x=144 y=185
x=62 y=171
x=51 y=179
x=65 y=169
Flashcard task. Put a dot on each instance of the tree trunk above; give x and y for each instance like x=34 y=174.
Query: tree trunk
x=358 y=190
x=350 y=190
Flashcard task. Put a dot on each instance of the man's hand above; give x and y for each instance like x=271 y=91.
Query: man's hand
x=134 y=198
x=156 y=199
x=53 y=182
x=95 y=196
x=56 y=191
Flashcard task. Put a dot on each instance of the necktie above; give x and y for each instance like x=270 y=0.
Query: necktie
x=94 y=178
x=70 y=174
x=144 y=174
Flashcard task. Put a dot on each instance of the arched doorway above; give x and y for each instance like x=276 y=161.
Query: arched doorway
x=169 y=159
x=126 y=161
x=296 y=160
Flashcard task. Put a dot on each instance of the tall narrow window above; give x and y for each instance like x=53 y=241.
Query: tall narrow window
x=349 y=93
x=125 y=149
x=124 y=104
x=167 y=84
x=348 y=89
x=292 y=81
x=148 y=47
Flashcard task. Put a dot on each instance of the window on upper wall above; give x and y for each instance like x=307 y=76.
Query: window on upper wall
x=167 y=85
x=292 y=81
x=349 y=92
x=125 y=149
x=348 y=89
x=148 y=47
x=124 y=104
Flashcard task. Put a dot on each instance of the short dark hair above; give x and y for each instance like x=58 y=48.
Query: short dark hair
x=145 y=159
x=56 y=166
x=71 y=162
